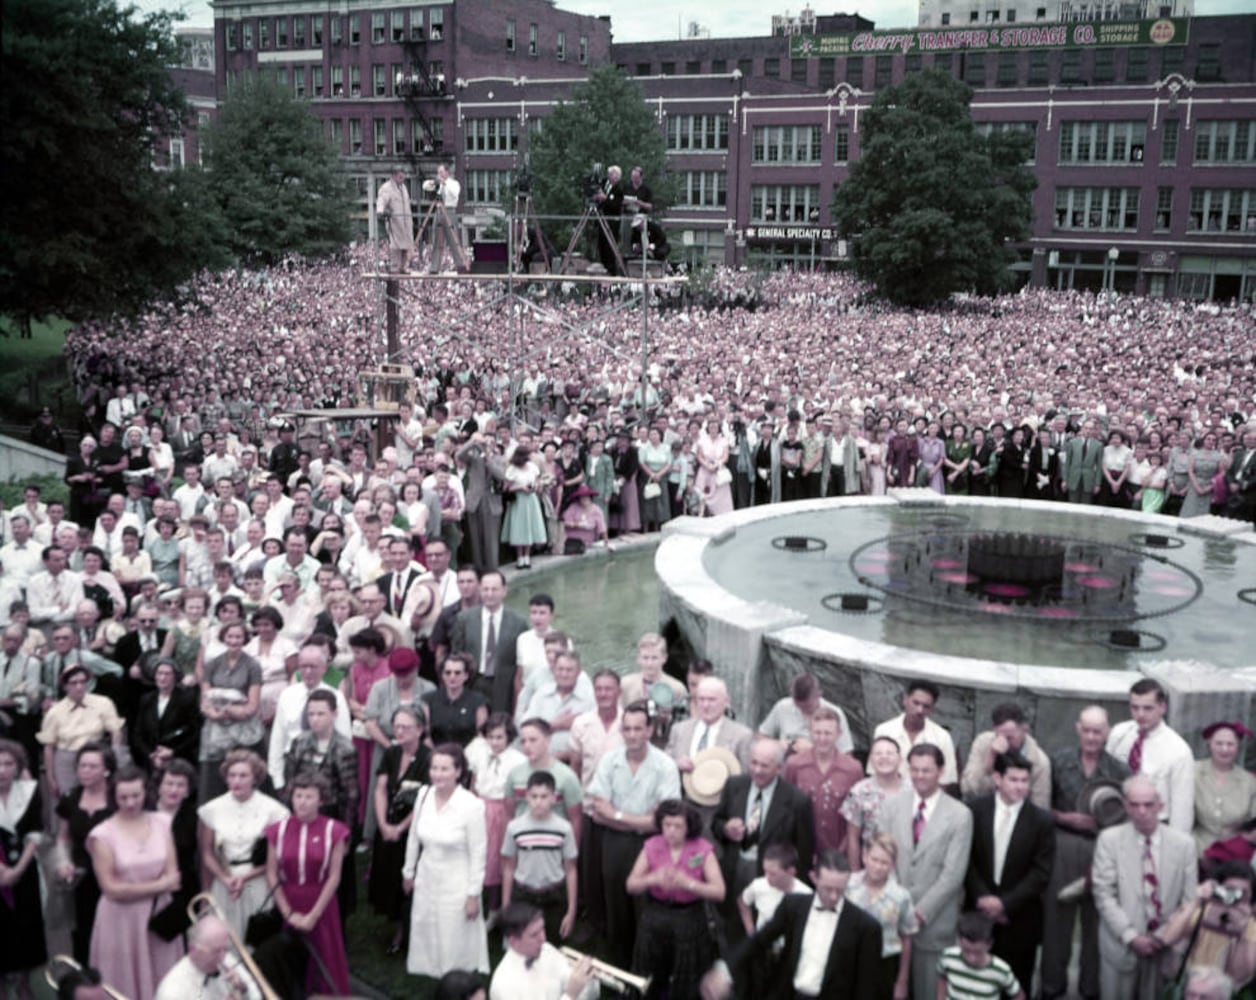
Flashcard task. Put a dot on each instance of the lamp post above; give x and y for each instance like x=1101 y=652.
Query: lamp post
x=1113 y=254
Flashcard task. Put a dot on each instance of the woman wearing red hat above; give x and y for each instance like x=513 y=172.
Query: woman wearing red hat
x=1225 y=793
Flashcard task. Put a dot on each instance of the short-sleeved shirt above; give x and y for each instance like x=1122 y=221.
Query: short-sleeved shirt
x=539 y=847
x=763 y=898
x=567 y=785
x=786 y=722
x=71 y=726
x=246 y=673
x=963 y=982
x=637 y=794
x=453 y=721
x=892 y=908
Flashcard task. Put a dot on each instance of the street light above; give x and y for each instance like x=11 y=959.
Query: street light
x=1113 y=254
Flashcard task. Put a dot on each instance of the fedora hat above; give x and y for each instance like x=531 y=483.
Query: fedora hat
x=1103 y=801
x=712 y=767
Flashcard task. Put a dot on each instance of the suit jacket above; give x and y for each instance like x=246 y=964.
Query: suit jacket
x=385 y=584
x=127 y=651
x=178 y=727
x=1240 y=478
x=482 y=471
x=789 y=821
x=1079 y=473
x=932 y=871
x=1117 y=883
x=1026 y=868
x=732 y=736
x=468 y=638
x=854 y=957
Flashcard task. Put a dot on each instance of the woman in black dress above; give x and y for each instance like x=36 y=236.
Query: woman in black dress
x=1011 y=474
x=402 y=770
x=79 y=811
x=454 y=712
x=981 y=471
x=21 y=916
x=570 y=474
x=82 y=475
x=175 y=795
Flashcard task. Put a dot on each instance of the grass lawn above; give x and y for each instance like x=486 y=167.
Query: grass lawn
x=33 y=374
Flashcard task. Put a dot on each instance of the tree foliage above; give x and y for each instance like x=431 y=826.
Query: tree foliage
x=275 y=177
x=606 y=121
x=87 y=227
x=930 y=205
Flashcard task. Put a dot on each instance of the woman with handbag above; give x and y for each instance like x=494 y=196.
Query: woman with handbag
x=231 y=701
x=523 y=527
x=303 y=863
x=231 y=827
x=714 y=479
x=656 y=463
x=134 y=858
x=402 y=771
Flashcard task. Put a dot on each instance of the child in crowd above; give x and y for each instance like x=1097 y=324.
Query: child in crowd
x=970 y=970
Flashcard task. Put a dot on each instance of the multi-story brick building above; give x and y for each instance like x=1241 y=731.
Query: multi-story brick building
x=1144 y=131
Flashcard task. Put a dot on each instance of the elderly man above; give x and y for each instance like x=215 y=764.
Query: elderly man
x=20 y=685
x=1143 y=871
x=393 y=207
x=560 y=701
x=1010 y=733
x=209 y=971
x=1148 y=746
x=312 y=663
x=709 y=727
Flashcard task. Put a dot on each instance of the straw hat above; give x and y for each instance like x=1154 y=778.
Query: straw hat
x=712 y=767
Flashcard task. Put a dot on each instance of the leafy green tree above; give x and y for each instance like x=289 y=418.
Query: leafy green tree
x=275 y=177
x=87 y=227
x=931 y=206
x=606 y=121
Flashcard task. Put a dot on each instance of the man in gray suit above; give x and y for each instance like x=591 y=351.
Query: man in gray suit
x=485 y=471
x=489 y=633
x=934 y=833
x=1082 y=457
x=709 y=727
x=1143 y=871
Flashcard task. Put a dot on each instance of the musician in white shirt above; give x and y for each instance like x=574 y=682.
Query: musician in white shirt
x=532 y=968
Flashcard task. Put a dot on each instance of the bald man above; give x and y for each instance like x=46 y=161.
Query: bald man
x=209 y=971
x=709 y=727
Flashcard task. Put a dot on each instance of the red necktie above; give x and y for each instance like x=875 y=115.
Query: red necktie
x=1136 y=754
x=1151 y=885
x=918 y=823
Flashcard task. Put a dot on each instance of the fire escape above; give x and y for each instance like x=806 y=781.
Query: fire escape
x=419 y=88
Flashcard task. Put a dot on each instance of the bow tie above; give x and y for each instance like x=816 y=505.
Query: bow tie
x=825 y=909
x=529 y=962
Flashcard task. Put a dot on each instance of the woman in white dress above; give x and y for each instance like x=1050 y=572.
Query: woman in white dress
x=277 y=655
x=446 y=854
x=230 y=828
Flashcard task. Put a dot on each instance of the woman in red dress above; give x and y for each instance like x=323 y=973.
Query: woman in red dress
x=303 y=868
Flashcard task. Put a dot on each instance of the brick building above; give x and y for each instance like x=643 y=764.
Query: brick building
x=1145 y=131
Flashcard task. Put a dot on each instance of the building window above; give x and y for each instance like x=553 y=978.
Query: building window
x=1215 y=210
x=1011 y=15
x=798 y=70
x=884 y=67
x=786 y=144
x=1136 y=63
x=828 y=73
x=336 y=133
x=317 y=80
x=355 y=30
x=975 y=69
x=719 y=66
x=560 y=46
x=644 y=69
x=855 y=71
x=377 y=28
x=486 y=187
x=912 y=63
x=1172 y=60
x=1225 y=142
x=437 y=24
x=396 y=76
x=416 y=24
x=281 y=32
x=316 y=30
x=946 y=18
x=298 y=31
x=1039 y=71
x=1169 y=142
x=231 y=37
x=1105 y=65
x=355 y=81
x=1209 y=66
x=399 y=136
x=355 y=136
x=510 y=34
x=1071 y=66
x=584 y=50
x=746 y=68
x=397 y=26
x=703 y=189
x=248 y=35
x=176 y=154
x=490 y=135
x=1164 y=208
x=1117 y=143
x=337 y=31
x=772 y=67
x=298 y=82
x=263 y=32
x=667 y=68
x=841 y=144
x=697 y=133
x=378 y=87
x=533 y=40
x=693 y=67
x=381 y=137
x=337 y=81
x=281 y=76
x=1029 y=128
x=992 y=17
x=1114 y=208
x=1007 y=69
x=437 y=127
x=783 y=202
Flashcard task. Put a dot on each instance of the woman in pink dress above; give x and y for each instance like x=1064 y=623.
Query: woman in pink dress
x=136 y=865
x=369 y=665
x=712 y=457
x=303 y=866
x=583 y=520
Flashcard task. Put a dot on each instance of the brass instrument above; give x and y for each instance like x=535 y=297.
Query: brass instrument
x=203 y=904
x=61 y=963
x=615 y=980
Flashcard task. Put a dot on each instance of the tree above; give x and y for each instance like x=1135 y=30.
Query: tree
x=606 y=121
x=275 y=177
x=931 y=206
x=87 y=227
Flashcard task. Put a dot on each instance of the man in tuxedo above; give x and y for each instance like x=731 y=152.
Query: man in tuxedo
x=485 y=471
x=755 y=810
x=1082 y=455
x=934 y=833
x=1013 y=847
x=1143 y=871
x=831 y=947
x=490 y=633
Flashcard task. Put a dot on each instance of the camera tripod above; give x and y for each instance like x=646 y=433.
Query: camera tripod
x=526 y=234
x=438 y=218
x=591 y=212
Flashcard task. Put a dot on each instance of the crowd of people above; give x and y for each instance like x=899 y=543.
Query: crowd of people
x=168 y=635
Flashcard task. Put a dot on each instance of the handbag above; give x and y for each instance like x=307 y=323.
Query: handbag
x=265 y=924
x=652 y=491
x=170 y=921
x=723 y=476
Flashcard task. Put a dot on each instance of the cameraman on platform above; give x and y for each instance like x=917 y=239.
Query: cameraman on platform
x=610 y=200
x=646 y=233
x=444 y=228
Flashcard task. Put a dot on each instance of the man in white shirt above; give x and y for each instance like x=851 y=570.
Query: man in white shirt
x=1151 y=748
x=560 y=701
x=530 y=647
x=54 y=592
x=914 y=726
x=21 y=558
x=532 y=968
x=790 y=718
x=312 y=663
x=209 y=971
x=191 y=495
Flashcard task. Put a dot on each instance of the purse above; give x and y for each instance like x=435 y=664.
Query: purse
x=652 y=491
x=723 y=476
x=170 y=921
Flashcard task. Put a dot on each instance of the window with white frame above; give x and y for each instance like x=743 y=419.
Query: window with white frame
x=697 y=132
x=702 y=189
x=1116 y=143
x=1222 y=210
x=786 y=144
x=490 y=135
x=1108 y=208
x=783 y=202
x=1225 y=142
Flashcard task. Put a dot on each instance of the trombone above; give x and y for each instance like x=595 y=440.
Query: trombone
x=203 y=905
x=57 y=967
x=615 y=980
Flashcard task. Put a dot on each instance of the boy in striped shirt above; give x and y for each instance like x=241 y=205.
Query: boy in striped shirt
x=970 y=971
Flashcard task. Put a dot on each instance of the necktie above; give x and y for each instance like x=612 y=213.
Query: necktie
x=305 y=719
x=1136 y=754
x=752 y=824
x=230 y=546
x=398 y=591
x=918 y=823
x=1002 y=821
x=1151 y=887
x=1084 y=443
x=490 y=643
x=702 y=740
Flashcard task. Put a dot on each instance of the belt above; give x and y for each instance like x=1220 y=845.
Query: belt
x=557 y=887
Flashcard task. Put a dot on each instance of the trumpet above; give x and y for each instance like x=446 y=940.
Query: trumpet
x=56 y=968
x=615 y=980
x=203 y=904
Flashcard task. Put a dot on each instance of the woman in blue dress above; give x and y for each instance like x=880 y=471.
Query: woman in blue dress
x=524 y=523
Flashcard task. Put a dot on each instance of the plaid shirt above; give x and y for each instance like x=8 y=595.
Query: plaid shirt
x=339 y=766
